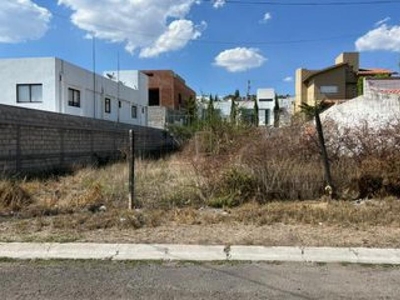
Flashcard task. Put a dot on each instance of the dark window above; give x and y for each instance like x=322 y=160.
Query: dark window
x=267 y=116
x=134 y=112
x=74 y=97
x=107 y=105
x=29 y=93
x=154 y=97
x=119 y=104
x=266 y=99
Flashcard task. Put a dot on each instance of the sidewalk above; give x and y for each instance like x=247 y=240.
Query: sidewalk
x=197 y=253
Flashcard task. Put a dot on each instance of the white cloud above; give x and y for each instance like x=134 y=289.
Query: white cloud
x=288 y=79
x=151 y=27
x=266 y=18
x=179 y=33
x=22 y=20
x=239 y=59
x=382 y=38
x=383 y=21
x=219 y=3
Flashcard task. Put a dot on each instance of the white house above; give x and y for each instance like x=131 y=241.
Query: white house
x=52 y=84
x=131 y=78
x=266 y=104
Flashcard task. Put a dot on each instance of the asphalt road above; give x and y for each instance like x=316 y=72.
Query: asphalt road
x=155 y=280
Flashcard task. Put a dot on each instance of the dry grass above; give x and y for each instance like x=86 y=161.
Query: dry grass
x=370 y=223
x=166 y=184
x=13 y=197
x=258 y=179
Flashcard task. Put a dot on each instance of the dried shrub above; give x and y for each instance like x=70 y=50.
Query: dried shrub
x=13 y=197
x=369 y=158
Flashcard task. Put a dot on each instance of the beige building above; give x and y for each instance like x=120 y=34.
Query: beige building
x=335 y=83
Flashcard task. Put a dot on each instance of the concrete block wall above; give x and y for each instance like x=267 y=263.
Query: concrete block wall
x=157 y=116
x=33 y=140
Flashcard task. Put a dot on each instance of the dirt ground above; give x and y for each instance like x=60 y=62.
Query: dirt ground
x=213 y=234
x=271 y=235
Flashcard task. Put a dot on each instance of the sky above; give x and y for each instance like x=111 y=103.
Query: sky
x=217 y=46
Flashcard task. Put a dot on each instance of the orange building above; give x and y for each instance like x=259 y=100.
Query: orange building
x=168 y=89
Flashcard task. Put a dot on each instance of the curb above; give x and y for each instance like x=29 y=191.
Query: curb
x=169 y=252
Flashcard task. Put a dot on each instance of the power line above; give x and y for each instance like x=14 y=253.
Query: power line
x=225 y=42
x=328 y=3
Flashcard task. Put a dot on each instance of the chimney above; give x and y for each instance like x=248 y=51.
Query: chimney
x=351 y=58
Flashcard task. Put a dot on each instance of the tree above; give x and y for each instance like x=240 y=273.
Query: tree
x=234 y=111
x=210 y=109
x=191 y=106
x=255 y=113
x=236 y=95
x=314 y=111
x=277 y=112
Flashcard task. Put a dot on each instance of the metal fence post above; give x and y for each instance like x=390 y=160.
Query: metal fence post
x=131 y=169
x=18 y=149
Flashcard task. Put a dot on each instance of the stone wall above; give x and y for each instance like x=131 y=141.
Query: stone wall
x=33 y=140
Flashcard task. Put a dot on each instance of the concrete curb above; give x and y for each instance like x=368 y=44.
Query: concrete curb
x=168 y=252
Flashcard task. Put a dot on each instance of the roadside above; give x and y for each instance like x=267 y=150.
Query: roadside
x=45 y=229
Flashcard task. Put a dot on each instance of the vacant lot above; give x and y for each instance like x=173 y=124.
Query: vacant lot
x=228 y=186
x=91 y=205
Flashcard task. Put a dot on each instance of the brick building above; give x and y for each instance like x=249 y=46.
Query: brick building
x=168 y=89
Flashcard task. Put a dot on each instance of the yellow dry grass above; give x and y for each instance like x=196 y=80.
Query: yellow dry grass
x=174 y=192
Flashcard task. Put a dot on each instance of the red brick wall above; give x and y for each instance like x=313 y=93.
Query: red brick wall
x=170 y=86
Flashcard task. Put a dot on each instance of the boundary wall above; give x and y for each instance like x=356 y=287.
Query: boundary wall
x=34 y=140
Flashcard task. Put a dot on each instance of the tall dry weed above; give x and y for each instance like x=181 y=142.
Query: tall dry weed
x=13 y=197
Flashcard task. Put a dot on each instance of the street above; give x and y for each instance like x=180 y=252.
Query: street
x=95 y=279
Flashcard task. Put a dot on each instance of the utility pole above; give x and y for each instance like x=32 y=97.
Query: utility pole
x=118 y=101
x=131 y=161
x=94 y=74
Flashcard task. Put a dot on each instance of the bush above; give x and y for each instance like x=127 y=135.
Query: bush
x=285 y=164
x=235 y=187
x=13 y=197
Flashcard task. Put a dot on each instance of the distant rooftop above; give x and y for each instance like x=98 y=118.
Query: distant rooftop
x=375 y=71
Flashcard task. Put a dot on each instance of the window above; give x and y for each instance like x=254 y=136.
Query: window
x=154 y=97
x=29 y=93
x=134 y=112
x=74 y=97
x=329 y=89
x=266 y=99
x=107 y=105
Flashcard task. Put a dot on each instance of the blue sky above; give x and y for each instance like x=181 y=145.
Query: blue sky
x=216 y=45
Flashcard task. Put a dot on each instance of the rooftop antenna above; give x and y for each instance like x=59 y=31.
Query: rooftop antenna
x=248 y=89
